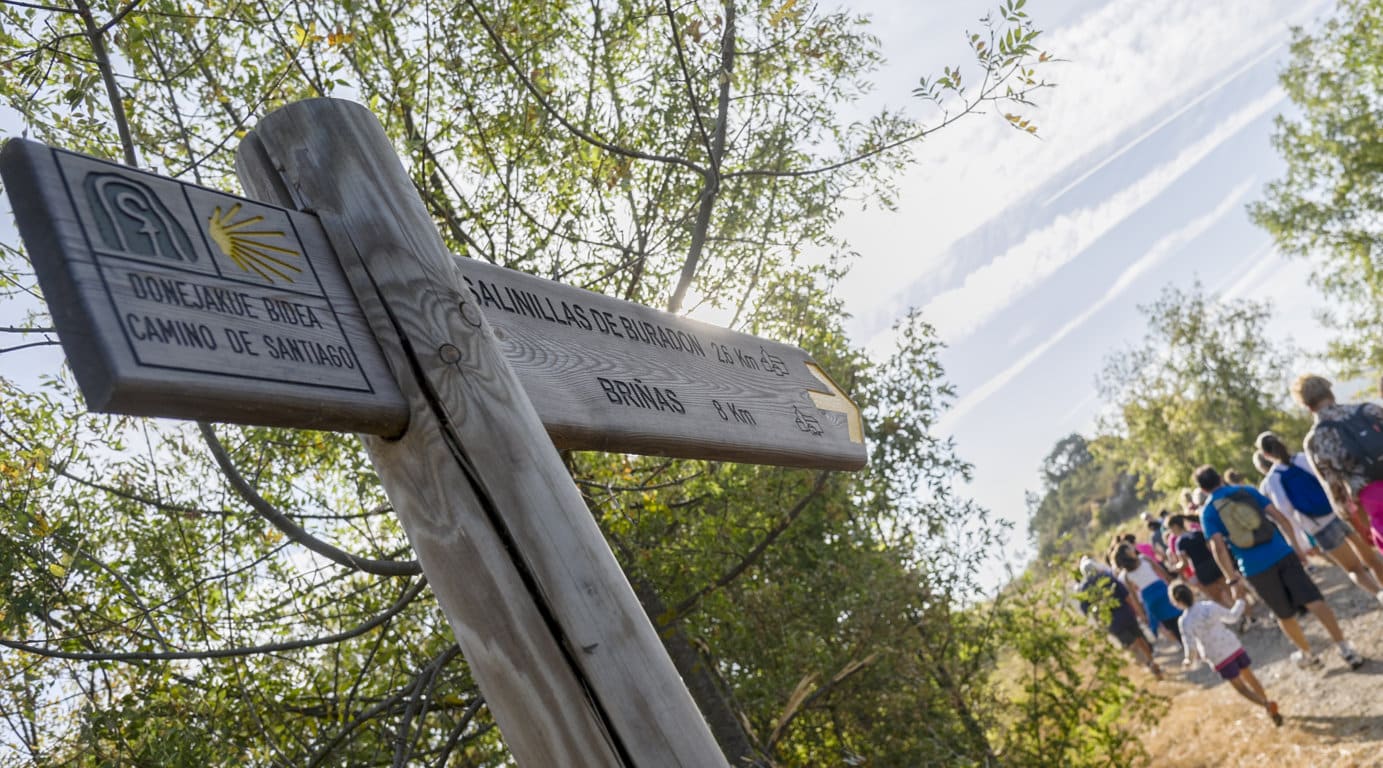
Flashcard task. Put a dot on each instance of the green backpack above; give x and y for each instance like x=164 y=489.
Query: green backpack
x=1244 y=520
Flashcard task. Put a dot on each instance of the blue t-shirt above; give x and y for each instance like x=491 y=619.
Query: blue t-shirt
x=1253 y=560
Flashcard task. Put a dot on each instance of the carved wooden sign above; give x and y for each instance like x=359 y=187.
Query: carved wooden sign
x=175 y=300
x=606 y=374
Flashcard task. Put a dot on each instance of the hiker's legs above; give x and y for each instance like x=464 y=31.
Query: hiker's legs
x=1247 y=691
x=1251 y=680
x=1347 y=558
x=1367 y=554
x=1326 y=617
x=1219 y=593
x=1292 y=629
x=1173 y=629
x=1142 y=651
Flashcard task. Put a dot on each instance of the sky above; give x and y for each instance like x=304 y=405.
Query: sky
x=1030 y=256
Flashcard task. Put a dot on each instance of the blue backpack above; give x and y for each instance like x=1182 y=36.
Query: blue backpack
x=1305 y=492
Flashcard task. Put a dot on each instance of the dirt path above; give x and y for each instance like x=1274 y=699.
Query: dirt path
x=1334 y=716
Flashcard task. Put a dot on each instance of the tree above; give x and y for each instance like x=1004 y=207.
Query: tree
x=1326 y=205
x=179 y=594
x=1203 y=383
x=1081 y=495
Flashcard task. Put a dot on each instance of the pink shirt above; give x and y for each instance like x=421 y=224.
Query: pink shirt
x=1147 y=550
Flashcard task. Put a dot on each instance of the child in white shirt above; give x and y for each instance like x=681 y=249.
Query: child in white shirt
x=1204 y=634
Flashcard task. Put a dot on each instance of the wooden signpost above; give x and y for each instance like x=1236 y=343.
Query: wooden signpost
x=181 y=301
x=176 y=300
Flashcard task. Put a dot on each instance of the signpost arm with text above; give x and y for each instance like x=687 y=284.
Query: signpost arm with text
x=569 y=663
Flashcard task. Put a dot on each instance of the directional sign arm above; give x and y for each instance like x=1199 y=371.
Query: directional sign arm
x=835 y=400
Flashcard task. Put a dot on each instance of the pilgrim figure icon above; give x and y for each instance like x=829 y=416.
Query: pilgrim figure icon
x=132 y=220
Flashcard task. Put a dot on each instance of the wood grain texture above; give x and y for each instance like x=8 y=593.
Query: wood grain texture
x=611 y=375
x=566 y=658
x=157 y=319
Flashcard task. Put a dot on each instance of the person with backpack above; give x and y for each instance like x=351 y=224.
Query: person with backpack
x=1242 y=522
x=1190 y=548
x=1345 y=447
x=1295 y=489
x=1305 y=544
x=1102 y=598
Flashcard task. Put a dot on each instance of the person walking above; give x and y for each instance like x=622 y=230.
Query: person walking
x=1205 y=636
x=1102 y=598
x=1295 y=489
x=1240 y=521
x=1192 y=550
x=1157 y=533
x=1304 y=544
x=1147 y=585
x=1345 y=446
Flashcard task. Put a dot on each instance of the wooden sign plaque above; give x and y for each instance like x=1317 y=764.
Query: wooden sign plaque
x=178 y=300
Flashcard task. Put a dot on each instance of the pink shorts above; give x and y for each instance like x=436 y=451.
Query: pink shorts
x=1371 y=499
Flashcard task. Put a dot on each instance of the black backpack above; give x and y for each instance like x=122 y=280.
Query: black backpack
x=1363 y=439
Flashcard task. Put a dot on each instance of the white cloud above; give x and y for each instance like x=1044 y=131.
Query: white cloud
x=988 y=290
x=1160 y=250
x=1132 y=63
x=1251 y=271
x=1268 y=50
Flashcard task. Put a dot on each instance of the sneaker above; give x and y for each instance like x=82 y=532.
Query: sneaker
x=1274 y=714
x=1312 y=661
x=1379 y=596
x=1351 y=657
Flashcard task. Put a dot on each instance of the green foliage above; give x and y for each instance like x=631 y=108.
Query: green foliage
x=1203 y=383
x=1326 y=205
x=1078 y=705
x=1082 y=497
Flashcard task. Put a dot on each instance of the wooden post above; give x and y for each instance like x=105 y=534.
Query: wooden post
x=565 y=656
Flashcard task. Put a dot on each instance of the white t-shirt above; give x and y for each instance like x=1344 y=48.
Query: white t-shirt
x=1278 y=494
x=1204 y=634
x=1143 y=575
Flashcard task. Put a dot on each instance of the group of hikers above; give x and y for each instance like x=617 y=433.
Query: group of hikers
x=1236 y=550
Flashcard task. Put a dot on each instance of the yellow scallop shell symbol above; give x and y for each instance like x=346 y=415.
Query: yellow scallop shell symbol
x=248 y=247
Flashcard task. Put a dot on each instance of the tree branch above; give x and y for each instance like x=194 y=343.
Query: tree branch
x=755 y=554
x=403 y=746
x=38 y=6
x=223 y=653
x=800 y=700
x=30 y=345
x=558 y=116
x=292 y=530
x=96 y=35
x=712 y=176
